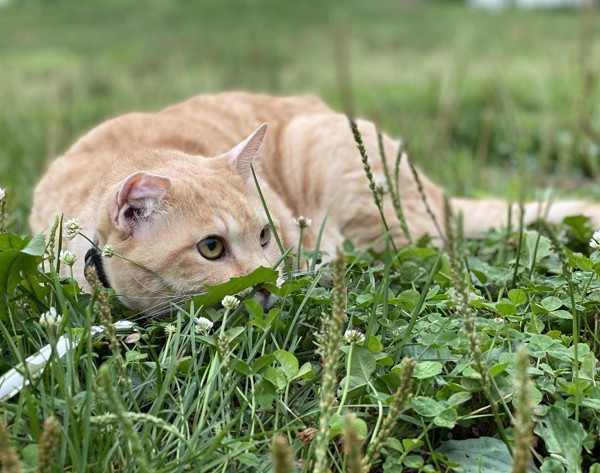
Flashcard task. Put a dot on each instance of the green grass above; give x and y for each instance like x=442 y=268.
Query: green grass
x=488 y=103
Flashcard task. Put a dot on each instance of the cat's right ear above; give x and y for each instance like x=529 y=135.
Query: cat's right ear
x=244 y=154
x=139 y=196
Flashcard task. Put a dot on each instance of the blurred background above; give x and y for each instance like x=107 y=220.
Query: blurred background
x=492 y=96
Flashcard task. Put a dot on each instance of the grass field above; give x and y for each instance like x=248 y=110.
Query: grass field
x=502 y=104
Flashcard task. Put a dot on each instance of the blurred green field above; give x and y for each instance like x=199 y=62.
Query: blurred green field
x=489 y=103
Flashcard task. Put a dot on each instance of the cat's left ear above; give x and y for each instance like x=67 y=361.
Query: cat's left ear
x=139 y=196
x=244 y=154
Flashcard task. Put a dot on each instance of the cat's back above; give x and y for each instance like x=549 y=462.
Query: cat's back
x=206 y=125
x=223 y=120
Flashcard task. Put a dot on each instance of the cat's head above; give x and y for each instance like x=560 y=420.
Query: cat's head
x=185 y=222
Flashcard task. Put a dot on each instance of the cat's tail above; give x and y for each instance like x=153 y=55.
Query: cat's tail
x=482 y=215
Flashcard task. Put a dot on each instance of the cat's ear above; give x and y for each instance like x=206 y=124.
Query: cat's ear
x=140 y=195
x=244 y=154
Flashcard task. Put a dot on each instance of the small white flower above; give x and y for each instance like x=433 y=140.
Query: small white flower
x=72 y=229
x=203 y=325
x=170 y=329
x=230 y=302
x=68 y=257
x=107 y=251
x=303 y=222
x=354 y=337
x=2 y=194
x=595 y=241
x=381 y=187
x=50 y=319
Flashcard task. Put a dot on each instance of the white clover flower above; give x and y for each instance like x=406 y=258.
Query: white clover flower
x=50 y=319
x=203 y=325
x=107 y=251
x=2 y=194
x=354 y=337
x=381 y=187
x=303 y=222
x=230 y=302
x=595 y=241
x=170 y=329
x=68 y=257
x=72 y=229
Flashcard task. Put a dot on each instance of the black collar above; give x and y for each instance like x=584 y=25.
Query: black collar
x=93 y=259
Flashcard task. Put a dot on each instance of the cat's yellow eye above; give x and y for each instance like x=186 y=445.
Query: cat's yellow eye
x=212 y=248
x=265 y=235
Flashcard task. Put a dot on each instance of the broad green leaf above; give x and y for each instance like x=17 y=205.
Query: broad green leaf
x=427 y=369
x=577 y=260
x=36 y=246
x=410 y=298
x=12 y=263
x=505 y=307
x=353 y=382
x=495 y=370
x=17 y=255
x=459 y=398
x=481 y=455
x=363 y=300
x=248 y=459
x=558 y=350
x=592 y=398
x=563 y=437
x=305 y=372
x=533 y=246
x=517 y=296
x=133 y=355
x=263 y=362
x=447 y=418
x=579 y=225
x=241 y=367
x=337 y=421
x=582 y=350
x=288 y=362
x=215 y=294
x=235 y=332
x=336 y=425
x=592 y=403
x=29 y=456
x=561 y=314
x=265 y=394
x=551 y=303
x=409 y=444
x=374 y=345
x=10 y=241
x=538 y=345
x=254 y=308
x=362 y=364
x=552 y=465
x=394 y=444
x=427 y=406
x=275 y=376
x=413 y=461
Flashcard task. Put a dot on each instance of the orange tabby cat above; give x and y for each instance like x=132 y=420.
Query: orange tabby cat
x=173 y=191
